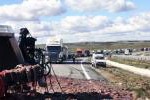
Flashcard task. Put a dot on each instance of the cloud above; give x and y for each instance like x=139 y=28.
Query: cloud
x=97 y=5
x=77 y=28
x=30 y=10
x=84 y=23
x=90 y=28
x=101 y=28
x=37 y=29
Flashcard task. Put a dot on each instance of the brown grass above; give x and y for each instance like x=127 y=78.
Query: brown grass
x=140 y=86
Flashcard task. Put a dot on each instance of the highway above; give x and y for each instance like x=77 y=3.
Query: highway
x=80 y=70
x=84 y=71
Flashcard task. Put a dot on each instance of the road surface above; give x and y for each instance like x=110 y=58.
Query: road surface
x=79 y=70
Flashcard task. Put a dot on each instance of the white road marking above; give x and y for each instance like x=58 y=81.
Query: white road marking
x=85 y=73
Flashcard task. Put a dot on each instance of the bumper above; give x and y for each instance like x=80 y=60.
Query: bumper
x=100 y=63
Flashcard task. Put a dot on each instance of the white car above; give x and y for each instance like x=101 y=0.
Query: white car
x=98 y=60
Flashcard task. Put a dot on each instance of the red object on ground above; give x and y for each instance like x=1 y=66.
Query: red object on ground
x=2 y=82
x=2 y=85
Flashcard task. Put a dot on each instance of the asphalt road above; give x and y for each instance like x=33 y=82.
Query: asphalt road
x=80 y=70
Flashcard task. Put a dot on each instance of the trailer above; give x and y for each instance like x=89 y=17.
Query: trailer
x=65 y=52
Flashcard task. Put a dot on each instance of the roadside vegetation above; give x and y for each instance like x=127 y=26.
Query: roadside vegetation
x=144 y=53
x=104 y=45
x=138 y=85
x=136 y=63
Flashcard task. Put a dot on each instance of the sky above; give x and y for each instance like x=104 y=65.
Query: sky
x=79 y=20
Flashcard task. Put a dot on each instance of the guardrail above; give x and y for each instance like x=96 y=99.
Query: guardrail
x=136 y=70
x=132 y=57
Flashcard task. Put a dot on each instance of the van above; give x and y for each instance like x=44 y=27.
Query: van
x=98 y=60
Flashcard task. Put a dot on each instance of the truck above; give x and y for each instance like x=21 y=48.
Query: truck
x=127 y=51
x=56 y=50
x=86 y=53
x=79 y=52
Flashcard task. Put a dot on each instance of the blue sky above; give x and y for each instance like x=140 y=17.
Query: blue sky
x=111 y=20
x=142 y=6
x=6 y=2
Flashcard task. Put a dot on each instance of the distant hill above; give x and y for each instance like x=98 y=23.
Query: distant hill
x=104 y=45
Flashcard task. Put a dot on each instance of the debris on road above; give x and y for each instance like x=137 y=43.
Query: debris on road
x=78 y=89
x=105 y=90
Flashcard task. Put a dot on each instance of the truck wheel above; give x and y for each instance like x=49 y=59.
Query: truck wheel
x=47 y=69
x=96 y=66
x=104 y=65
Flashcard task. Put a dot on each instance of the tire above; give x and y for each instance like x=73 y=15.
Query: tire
x=104 y=65
x=47 y=69
x=96 y=66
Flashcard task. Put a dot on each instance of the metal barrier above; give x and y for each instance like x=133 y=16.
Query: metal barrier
x=136 y=70
x=132 y=57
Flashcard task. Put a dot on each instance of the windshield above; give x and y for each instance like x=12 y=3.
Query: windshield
x=98 y=52
x=79 y=51
x=54 y=48
x=99 y=57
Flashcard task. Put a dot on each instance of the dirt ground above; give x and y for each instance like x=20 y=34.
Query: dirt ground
x=138 y=85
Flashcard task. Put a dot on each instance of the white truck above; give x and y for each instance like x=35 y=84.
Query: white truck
x=98 y=60
x=127 y=52
x=56 y=50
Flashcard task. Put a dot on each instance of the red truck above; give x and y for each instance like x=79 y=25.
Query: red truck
x=79 y=52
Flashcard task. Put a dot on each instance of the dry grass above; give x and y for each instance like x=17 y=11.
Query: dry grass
x=136 y=63
x=103 y=45
x=137 y=84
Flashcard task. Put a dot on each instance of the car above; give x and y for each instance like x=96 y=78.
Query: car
x=98 y=60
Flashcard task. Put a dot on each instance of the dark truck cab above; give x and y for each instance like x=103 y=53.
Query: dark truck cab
x=54 y=53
